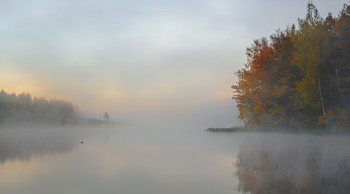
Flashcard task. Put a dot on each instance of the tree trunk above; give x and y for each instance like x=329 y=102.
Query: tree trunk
x=322 y=103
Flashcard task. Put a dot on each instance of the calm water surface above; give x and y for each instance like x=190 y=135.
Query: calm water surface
x=163 y=160
x=121 y=160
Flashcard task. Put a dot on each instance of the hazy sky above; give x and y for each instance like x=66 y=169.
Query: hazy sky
x=138 y=59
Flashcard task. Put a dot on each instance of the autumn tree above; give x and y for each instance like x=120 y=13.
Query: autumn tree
x=299 y=77
x=255 y=84
x=311 y=52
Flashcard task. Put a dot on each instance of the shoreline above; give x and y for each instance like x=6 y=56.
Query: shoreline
x=287 y=131
x=75 y=122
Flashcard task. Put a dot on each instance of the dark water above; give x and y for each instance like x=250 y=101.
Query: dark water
x=162 y=160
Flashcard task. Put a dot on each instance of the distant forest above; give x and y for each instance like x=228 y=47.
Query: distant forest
x=22 y=108
x=299 y=77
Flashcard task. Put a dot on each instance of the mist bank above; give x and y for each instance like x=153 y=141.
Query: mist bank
x=23 y=110
x=75 y=122
x=299 y=77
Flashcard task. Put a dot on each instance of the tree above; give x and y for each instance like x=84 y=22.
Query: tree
x=255 y=83
x=106 y=116
x=299 y=77
x=22 y=108
x=311 y=52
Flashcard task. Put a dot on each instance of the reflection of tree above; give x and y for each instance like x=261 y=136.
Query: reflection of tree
x=275 y=167
x=17 y=147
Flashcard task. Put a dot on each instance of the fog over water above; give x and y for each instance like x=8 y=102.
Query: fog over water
x=163 y=71
x=156 y=160
x=122 y=160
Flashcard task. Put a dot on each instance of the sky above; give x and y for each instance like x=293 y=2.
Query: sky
x=170 y=61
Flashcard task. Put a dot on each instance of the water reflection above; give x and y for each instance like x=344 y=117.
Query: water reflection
x=24 y=144
x=158 y=161
x=116 y=161
x=294 y=164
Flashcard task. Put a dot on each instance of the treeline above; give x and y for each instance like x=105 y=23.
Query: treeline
x=298 y=77
x=22 y=108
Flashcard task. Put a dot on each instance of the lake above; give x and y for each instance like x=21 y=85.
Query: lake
x=164 y=160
